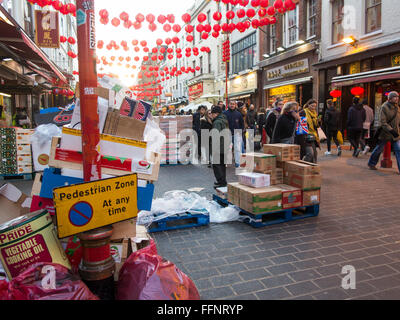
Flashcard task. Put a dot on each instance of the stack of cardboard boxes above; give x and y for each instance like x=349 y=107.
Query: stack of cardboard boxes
x=172 y=126
x=16 y=154
x=293 y=183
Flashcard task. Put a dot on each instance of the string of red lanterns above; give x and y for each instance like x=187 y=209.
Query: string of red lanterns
x=64 y=9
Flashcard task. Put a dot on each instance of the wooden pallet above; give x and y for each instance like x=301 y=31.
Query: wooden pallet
x=26 y=176
x=183 y=221
x=276 y=217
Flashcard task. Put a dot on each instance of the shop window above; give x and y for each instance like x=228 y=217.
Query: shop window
x=311 y=18
x=244 y=53
x=337 y=19
x=373 y=15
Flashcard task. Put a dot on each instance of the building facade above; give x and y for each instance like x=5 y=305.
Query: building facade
x=360 y=47
x=288 y=50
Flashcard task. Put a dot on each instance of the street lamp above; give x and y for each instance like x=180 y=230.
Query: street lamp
x=350 y=41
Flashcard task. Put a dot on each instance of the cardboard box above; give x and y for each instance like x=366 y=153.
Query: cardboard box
x=123 y=126
x=283 y=152
x=23 y=138
x=303 y=182
x=302 y=168
x=124 y=230
x=104 y=93
x=255 y=180
x=233 y=193
x=257 y=201
x=24 y=149
x=292 y=197
x=311 y=197
x=13 y=203
x=120 y=251
x=258 y=162
x=276 y=176
x=102 y=106
x=25 y=160
x=222 y=192
x=24 y=169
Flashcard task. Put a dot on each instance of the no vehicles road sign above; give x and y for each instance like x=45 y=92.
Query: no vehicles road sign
x=88 y=206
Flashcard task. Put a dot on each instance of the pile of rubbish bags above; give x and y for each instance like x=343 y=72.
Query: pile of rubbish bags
x=180 y=202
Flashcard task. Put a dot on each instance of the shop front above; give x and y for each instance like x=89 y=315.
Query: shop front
x=370 y=76
x=244 y=89
x=291 y=81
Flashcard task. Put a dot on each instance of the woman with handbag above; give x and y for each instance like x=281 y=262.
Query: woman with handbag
x=285 y=128
x=312 y=139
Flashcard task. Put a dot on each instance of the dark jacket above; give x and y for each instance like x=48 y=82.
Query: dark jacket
x=196 y=122
x=221 y=123
x=356 y=117
x=332 y=119
x=235 y=120
x=204 y=124
x=261 y=120
x=270 y=123
x=389 y=119
x=251 y=118
x=285 y=129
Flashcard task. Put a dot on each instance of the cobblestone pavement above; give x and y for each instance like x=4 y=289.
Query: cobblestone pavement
x=358 y=225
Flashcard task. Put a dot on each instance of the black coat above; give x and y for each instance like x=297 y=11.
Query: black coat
x=270 y=124
x=284 y=129
x=332 y=119
x=356 y=117
x=196 y=122
x=251 y=118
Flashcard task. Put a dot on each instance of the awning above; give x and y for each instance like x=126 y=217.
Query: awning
x=364 y=77
x=287 y=83
x=243 y=93
x=19 y=43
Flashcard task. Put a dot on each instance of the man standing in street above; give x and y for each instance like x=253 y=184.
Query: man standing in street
x=197 y=127
x=220 y=123
x=251 y=118
x=236 y=125
x=388 y=131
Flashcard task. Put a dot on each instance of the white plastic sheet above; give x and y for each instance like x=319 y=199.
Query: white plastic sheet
x=180 y=202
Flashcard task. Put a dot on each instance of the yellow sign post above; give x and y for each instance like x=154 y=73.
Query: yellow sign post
x=92 y=205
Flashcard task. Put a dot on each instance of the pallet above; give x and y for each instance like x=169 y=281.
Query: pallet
x=276 y=217
x=26 y=176
x=180 y=222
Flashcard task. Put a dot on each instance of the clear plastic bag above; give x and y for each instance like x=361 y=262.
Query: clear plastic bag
x=44 y=134
x=154 y=136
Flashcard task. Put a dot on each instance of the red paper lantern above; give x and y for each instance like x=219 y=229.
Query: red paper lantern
x=278 y=4
x=204 y=36
x=150 y=18
x=230 y=15
x=200 y=28
x=171 y=18
x=63 y=39
x=201 y=17
x=186 y=18
x=241 y=13
x=143 y=43
x=357 y=91
x=217 y=16
x=137 y=25
x=124 y=16
x=175 y=40
x=251 y=13
x=189 y=38
x=189 y=28
x=167 y=27
x=215 y=34
x=115 y=22
x=336 y=94
x=152 y=27
x=271 y=11
x=139 y=18
x=168 y=41
x=217 y=28
x=264 y=3
x=161 y=19
x=177 y=28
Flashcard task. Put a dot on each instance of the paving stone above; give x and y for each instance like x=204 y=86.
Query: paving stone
x=279 y=281
x=302 y=288
x=328 y=282
x=385 y=283
x=332 y=294
x=285 y=250
x=255 y=264
x=262 y=254
x=284 y=259
x=216 y=293
x=203 y=284
x=231 y=268
x=238 y=258
x=378 y=260
x=281 y=269
x=332 y=259
x=391 y=294
x=247 y=249
x=225 y=280
x=245 y=297
x=248 y=286
x=210 y=263
x=254 y=274
x=307 y=264
x=273 y=294
x=201 y=274
x=380 y=271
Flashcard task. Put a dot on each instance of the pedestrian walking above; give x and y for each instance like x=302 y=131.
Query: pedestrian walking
x=251 y=118
x=206 y=123
x=272 y=117
x=355 y=123
x=388 y=131
x=196 y=126
x=220 y=123
x=312 y=139
x=236 y=125
x=261 y=117
x=332 y=126
x=302 y=133
x=366 y=135
x=285 y=129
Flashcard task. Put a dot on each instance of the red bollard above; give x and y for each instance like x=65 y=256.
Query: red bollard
x=387 y=157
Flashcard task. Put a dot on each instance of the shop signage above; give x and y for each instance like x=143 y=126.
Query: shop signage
x=88 y=206
x=396 y=60
x=355 y=67
x=59 y=118
x=47 y=29
x=281 y=91
x=243 y=83
x=196 y=91
x=288 y=70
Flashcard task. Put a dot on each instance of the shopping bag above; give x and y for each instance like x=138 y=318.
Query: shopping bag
x=321 y=134
x=302 y=127
x=340 y=138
